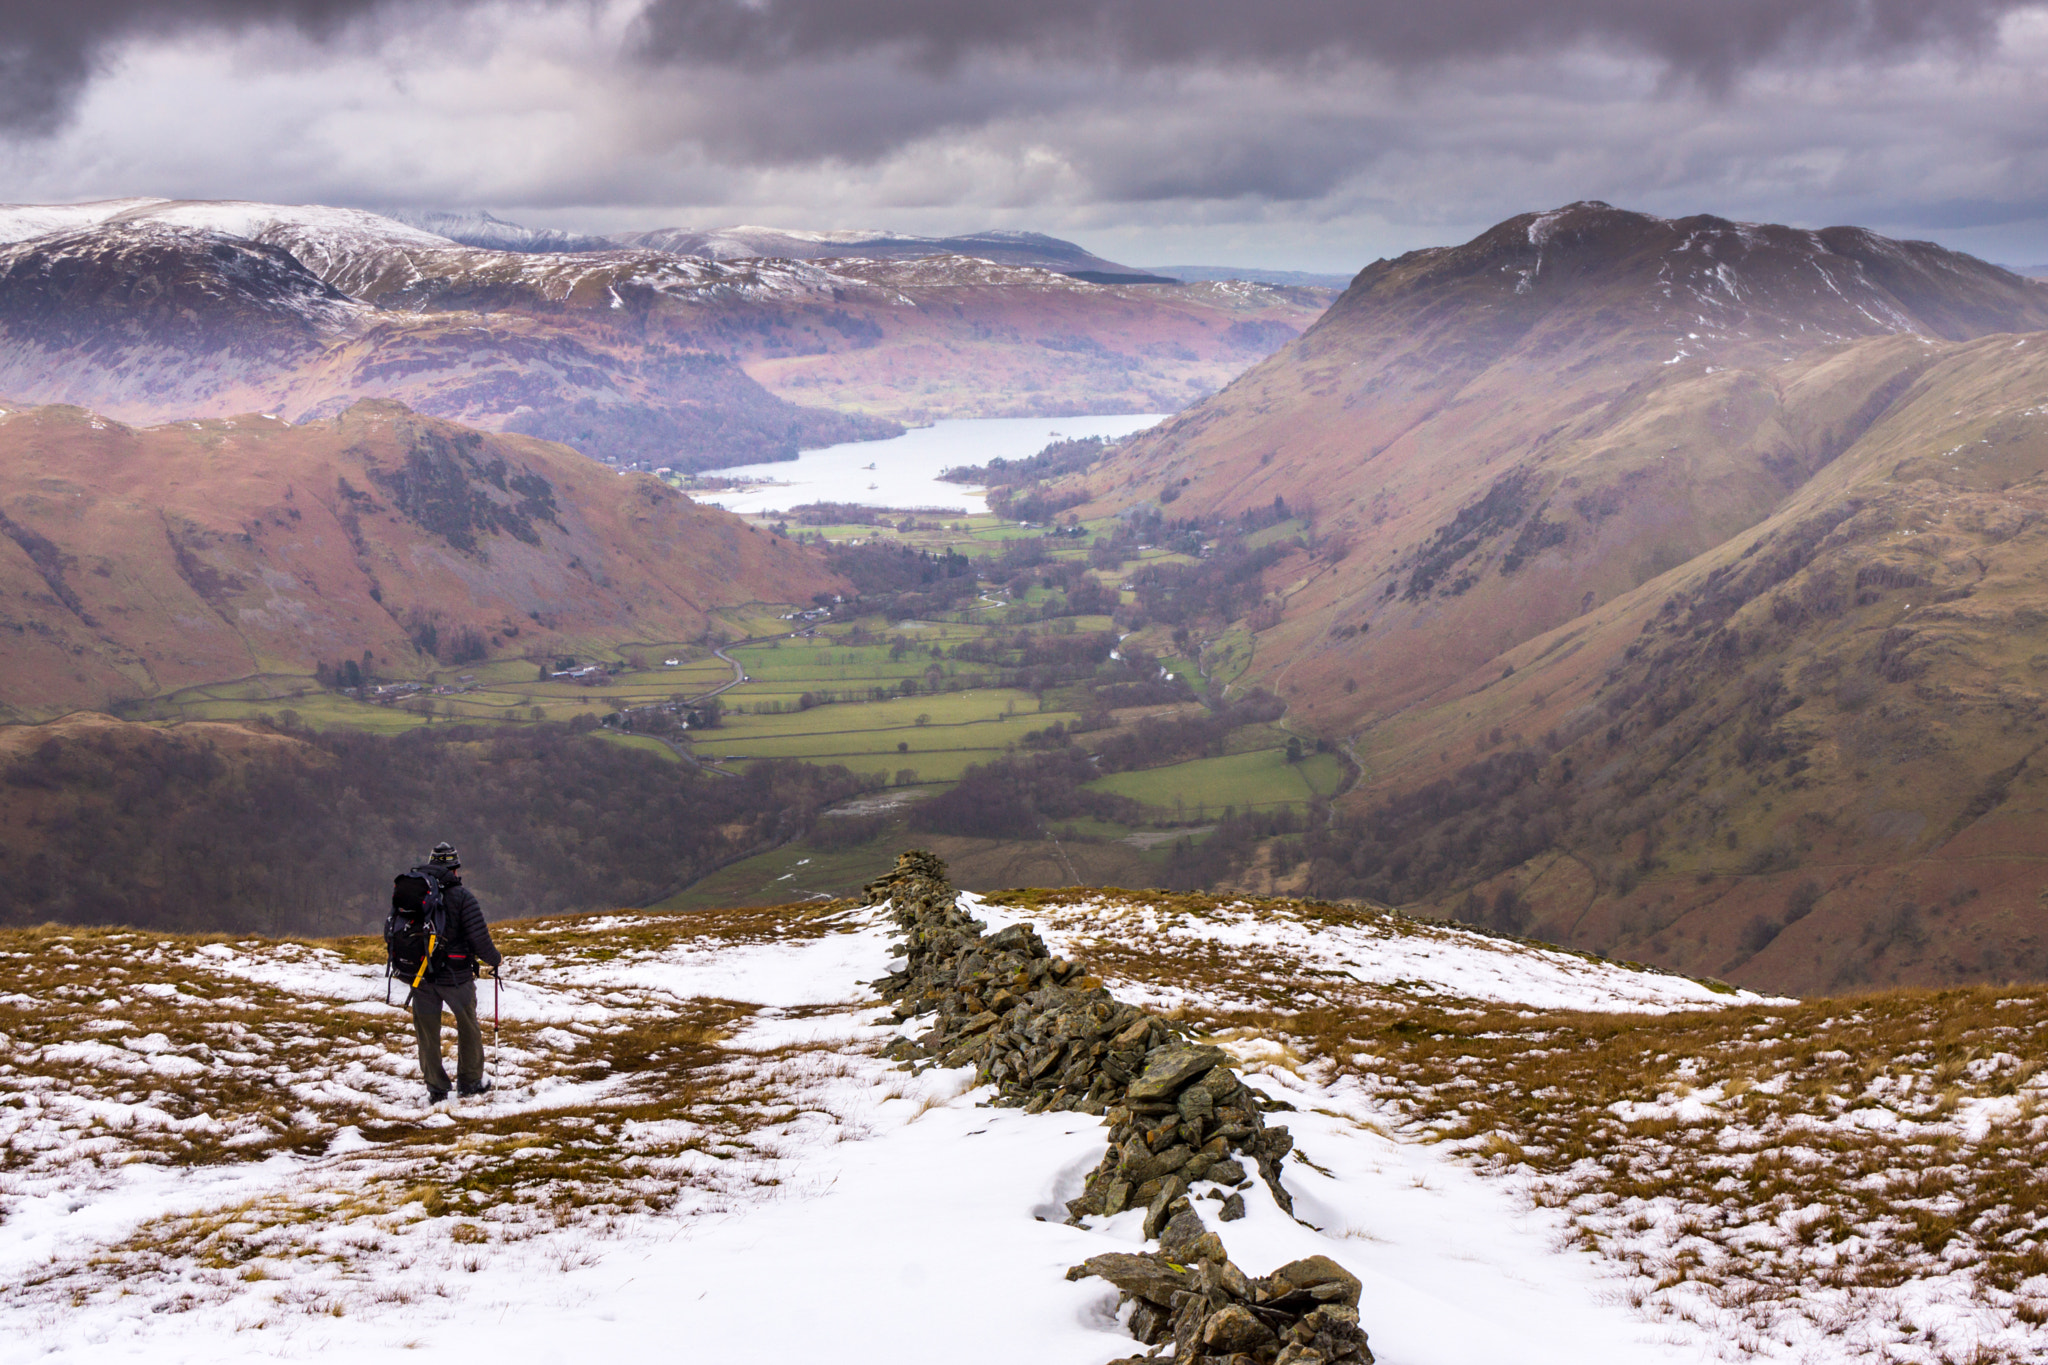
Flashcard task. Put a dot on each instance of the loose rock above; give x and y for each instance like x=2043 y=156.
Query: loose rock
x=1188 y=1292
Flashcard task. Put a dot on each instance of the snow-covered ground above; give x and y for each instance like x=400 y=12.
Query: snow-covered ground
x=697 y=1153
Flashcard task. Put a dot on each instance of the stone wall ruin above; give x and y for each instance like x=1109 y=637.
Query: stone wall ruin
x=1048 y=1036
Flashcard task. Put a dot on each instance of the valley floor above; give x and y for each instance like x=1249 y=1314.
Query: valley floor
x=218 y=1150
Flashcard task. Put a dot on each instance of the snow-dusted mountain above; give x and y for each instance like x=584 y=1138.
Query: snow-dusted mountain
x=638 y=353
x=275 y=223
x=161 y=310
x=478 y=227
x=1005 y=247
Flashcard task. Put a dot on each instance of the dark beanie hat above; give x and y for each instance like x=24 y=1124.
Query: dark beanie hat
x=444 y=855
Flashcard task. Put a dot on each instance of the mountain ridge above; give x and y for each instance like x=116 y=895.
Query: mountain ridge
x=1556 y=352
x=1606 y=585
x=637 y=356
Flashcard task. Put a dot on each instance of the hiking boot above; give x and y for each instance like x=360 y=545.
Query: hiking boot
x=480 y=1088
x=436 y=1096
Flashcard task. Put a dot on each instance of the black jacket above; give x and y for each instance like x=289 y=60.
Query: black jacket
x=469 y=938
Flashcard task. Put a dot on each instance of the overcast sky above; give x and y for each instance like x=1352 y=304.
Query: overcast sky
x=1311 y=134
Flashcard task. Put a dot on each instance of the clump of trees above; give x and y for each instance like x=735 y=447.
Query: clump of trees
x=1193 y=865
x=1058 y=458
x=902 y=582
x=1016 y=798
x=1223 y=586
x=302 y=834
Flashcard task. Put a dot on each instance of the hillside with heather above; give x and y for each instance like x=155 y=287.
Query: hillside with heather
x=135 y=561
x=1807 y=757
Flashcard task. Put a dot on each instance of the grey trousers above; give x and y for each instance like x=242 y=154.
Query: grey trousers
x=427 y=1000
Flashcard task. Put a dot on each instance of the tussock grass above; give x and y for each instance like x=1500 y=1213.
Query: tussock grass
x=120 y=1047
x=1856 y=1168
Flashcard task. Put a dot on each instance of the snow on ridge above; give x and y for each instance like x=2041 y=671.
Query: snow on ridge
x=256 y=220
x=907 y=1208
x=1407 y=959
x=250 y=219
x=19 y=222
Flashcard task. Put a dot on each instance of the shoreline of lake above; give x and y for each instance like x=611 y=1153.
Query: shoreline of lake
x=901 y=473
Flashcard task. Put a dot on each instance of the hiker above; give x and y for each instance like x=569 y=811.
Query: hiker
x=447 y=977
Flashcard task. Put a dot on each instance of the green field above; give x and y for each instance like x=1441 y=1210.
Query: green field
x=1262 y=779
x=958 y=729
x=794 y=872
x=853 y=672
x=646 y=743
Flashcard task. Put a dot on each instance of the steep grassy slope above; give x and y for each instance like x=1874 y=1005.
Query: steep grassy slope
x=135 y=561
x=1809 y=758
x=1675 y=582
x=1499 y=436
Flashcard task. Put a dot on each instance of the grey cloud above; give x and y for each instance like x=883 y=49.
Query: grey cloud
x=49 y=50
x=1704 y=38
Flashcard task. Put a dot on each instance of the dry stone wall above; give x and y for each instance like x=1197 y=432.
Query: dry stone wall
x=1191 y=1294
x=1047 y=1036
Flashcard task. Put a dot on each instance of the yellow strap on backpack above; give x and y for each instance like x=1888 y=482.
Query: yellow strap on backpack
x=421 y=974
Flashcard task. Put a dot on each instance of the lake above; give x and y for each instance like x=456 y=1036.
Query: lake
x=906 y=468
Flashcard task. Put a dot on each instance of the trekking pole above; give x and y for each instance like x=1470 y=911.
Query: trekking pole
x=494 y=1028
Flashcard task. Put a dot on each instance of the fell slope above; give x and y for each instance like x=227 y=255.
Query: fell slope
x=137 y=560
x=1499 y=436
x=1676 y=583
x=1809 y=758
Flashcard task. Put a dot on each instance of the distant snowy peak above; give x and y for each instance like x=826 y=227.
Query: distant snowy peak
x=1003 y=246
x=326 y=237
x=234 y=217
x=152 y=281
x=481 y=228
x=19 y=222
x=265 y=222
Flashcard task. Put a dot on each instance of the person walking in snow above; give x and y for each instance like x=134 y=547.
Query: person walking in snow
x=450 y=981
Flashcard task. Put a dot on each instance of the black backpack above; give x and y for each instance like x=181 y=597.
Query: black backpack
x=416 y=932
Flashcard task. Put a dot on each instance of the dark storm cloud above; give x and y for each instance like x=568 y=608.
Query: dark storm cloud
x=1704 y=38
x=50 y=48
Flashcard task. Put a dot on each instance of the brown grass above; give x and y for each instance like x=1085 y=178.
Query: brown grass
x=245 y=1071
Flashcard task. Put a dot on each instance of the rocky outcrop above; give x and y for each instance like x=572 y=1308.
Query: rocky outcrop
x=1189 y=1292
x=1048 y=1036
